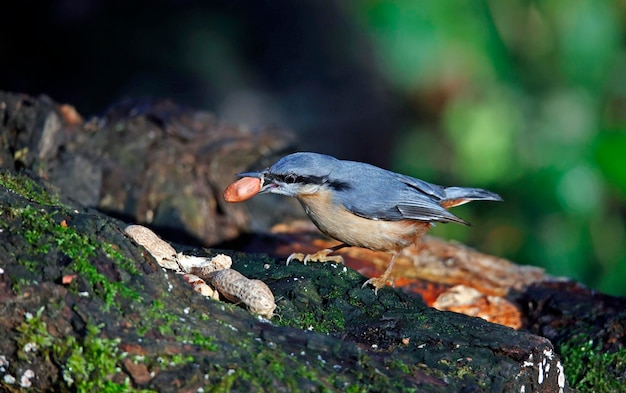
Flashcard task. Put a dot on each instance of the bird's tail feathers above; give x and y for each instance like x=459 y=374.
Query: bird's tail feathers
x=456 y=196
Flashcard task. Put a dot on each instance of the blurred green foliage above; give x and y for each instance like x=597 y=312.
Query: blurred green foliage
x=526 y=98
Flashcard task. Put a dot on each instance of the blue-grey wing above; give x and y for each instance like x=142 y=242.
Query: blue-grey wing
x=438 y=193
x=431 y=212
x=390 y=196
x=395 y=210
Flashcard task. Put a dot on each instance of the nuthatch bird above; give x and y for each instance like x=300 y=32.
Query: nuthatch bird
x=362 y=205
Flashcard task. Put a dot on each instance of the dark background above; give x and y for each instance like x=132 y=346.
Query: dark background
x=525 y=98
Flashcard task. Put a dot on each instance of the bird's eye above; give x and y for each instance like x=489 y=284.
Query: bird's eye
x=291 y=178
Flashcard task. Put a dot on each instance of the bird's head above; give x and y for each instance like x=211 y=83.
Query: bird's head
x=296 y=174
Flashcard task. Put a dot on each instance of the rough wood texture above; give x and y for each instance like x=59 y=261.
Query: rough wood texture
x=335 y=335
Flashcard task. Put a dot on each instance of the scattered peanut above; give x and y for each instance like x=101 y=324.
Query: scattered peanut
x=234 y=286
x=162 y=251
x=216 y=263
x=243 y=189
x=237 y=288
x=200 y=286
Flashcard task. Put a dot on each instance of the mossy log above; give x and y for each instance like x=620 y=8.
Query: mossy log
x=85 y=308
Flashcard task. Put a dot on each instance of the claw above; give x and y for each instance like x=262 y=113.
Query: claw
x=376 y=282
x=320 y=256
x=297 y=256
x=379 y=282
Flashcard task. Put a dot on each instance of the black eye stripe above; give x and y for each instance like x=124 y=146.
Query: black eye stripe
x=291 y=178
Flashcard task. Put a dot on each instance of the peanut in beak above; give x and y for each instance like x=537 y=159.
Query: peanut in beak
x=243 y=189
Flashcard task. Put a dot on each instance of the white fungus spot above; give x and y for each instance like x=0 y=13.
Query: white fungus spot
x=548 y=353
x=560 y=378
x=30 y=347
x=26 y=377
x=529 y=362
x=4 y=362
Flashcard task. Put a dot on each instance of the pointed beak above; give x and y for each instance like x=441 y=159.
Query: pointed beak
x=265 y=186
x=251 y=174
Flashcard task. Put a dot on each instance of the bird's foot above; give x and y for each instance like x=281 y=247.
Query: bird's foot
x=320 y=256
x=378 y=282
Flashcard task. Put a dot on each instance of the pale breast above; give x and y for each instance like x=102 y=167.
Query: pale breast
x=340 y=224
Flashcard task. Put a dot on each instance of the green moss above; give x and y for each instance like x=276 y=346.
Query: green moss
x=28 y=264
x=260 y=367
x=28 y=188
x=86 y=363
x=320 y=312
x=89 y=362
x=21 y=282
x=165 y=320
x=400 y=365
x=176 y=359
x=123 y=262
x=255 y=365
x=331 y=320
x=42 y=231
x=269 y=365
x=33 y=336
x=356 y=389
x=225 y=383
x=157 y=317
x=204 y=317
x=204 y=342
x=589 y=368
x=169 y=325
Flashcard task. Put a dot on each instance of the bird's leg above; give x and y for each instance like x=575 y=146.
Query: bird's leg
x=379 y=282
x=320 y=256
